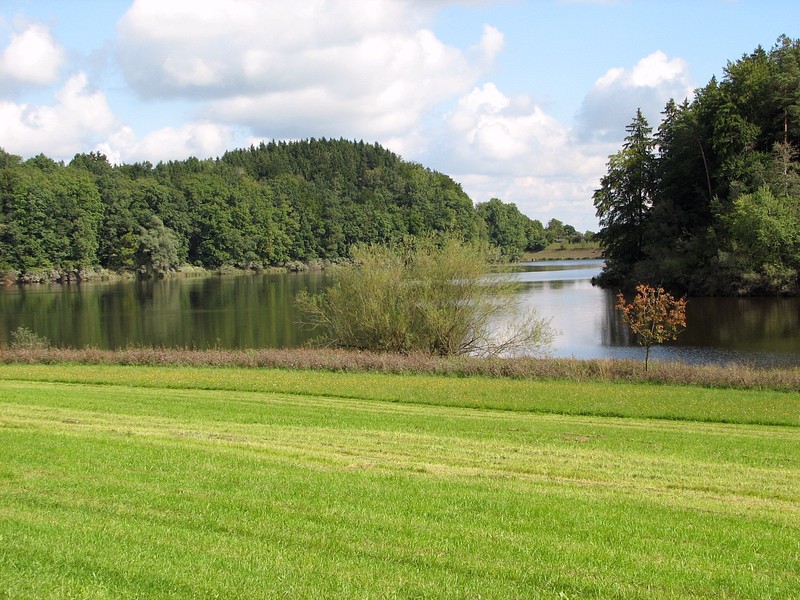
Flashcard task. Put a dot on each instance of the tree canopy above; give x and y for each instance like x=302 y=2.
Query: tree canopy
x=264 y=205
x=625 y=197
x=720 y=208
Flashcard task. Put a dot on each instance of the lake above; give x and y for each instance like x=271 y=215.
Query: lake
x=256 y=311
x=763 y=331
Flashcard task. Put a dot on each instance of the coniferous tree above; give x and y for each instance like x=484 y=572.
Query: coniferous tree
x=726 y=191
x=624 y=199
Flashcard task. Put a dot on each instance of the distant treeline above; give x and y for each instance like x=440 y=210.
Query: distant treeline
x=710 y=203
x=251 y=208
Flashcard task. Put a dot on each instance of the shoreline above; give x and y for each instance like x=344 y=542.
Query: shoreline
x=563 y=254
x=102 y=275
x=621 y=371
x=97 y=274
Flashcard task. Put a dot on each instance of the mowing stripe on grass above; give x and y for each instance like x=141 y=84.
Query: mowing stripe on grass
x=165 y=490
x=562 y=397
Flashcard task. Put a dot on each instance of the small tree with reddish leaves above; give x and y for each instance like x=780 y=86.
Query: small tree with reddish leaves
x=654 y=316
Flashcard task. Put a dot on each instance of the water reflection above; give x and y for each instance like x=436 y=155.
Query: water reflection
x=719 y=330
x=558 y=271
x=256 y=311
x=252 y=311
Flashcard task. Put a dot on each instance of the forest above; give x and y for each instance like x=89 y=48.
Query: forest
x=709 y=203
x=277 y=203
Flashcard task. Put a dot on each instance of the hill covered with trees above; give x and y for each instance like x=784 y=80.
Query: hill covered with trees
x=710 y=203
x=251 y=208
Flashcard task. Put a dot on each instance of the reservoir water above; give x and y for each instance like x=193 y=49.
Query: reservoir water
x=764 y=331
x=257 y=311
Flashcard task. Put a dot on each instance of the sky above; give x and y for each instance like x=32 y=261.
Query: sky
x=522 y=100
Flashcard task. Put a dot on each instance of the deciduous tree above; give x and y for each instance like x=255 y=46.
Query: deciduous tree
x=654 y=316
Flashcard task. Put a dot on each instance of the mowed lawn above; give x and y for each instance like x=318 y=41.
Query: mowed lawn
x=150 y=482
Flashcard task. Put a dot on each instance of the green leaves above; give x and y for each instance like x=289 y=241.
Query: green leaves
x=765 y=239
x=508 y=228
x=423 y=295
x=157 y=249
x=303 y=201
x=715 y=211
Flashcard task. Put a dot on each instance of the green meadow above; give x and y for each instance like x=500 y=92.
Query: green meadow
x=201 y=482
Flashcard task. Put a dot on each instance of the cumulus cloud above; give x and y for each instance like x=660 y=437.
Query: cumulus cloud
x=198 y=139
x=32 y=57
x=503 y=134
x=612 y=102
x=510 y=148
x=342 y=67
x=78 y=118
x=568 y=199
x=492 y=43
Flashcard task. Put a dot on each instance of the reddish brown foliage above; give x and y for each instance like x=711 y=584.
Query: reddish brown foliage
x=654 y=316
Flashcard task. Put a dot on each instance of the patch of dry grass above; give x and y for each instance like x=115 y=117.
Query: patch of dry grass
x=728 y=376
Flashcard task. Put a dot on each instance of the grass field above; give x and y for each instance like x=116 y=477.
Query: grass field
x=149 y=482
x=567 y=251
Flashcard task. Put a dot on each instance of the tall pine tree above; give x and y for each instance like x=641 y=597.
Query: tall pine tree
x=624 y=199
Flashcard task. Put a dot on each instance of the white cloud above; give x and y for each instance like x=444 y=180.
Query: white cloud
x=497 y=131
x=32 y=57
x=510 y=148
x=220 y=49
x=568 y=199
x=77 y=120
x=612 y=102
x=80 y=119
x=201 y=140
x=492 y=43
x=352 y=68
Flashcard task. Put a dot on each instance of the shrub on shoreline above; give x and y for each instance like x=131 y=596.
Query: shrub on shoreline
x=440 y=296
x=23 y=338
x=718 y=376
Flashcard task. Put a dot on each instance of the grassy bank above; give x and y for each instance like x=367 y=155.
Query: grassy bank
x=194 y=481
x=99 y=274
x=567 y=251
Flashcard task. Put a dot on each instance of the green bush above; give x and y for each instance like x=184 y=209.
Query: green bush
x=441 y=297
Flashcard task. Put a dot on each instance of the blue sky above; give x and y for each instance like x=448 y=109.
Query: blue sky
x=520 y=100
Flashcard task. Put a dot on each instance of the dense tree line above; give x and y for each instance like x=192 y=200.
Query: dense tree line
x=515 y=233
x=710 y=202
x=262 y=206
x=265 y=205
